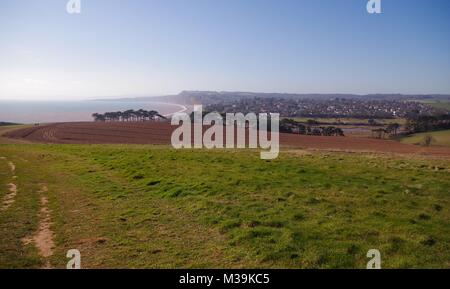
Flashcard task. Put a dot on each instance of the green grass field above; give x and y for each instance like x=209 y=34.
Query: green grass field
x=440 y=138
x=154 y=207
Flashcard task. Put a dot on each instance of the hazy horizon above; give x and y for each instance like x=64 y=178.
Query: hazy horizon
x=131 y=97
x=118 y=49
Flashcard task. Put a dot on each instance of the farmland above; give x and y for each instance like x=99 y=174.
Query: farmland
x=160 y=134
x=147 y=206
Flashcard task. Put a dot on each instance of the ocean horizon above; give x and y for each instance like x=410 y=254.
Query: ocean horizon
x=26 y=112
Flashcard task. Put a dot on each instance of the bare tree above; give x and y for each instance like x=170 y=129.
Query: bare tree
x=427 y=140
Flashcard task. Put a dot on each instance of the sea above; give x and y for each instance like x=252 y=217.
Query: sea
x=31 y=112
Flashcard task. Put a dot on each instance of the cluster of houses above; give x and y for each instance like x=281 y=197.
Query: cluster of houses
x=330 y=108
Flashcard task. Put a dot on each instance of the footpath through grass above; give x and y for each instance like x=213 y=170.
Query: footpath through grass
x=154 y=207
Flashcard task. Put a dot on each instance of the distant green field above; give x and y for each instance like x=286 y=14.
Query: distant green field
x=441 y=138
x=438 y=104
x=154 y=207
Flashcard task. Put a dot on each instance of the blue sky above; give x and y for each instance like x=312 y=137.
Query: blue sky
x=156 y=47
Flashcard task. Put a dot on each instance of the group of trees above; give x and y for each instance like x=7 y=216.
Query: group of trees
x=128 y=115
x=428 y=123
x=416 y=124
x=391 y=129
x=420 y=124
x=291 y=126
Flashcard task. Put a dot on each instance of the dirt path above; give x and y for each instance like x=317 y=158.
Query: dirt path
x=12 y=167
x=10 y=197
x=43 y=238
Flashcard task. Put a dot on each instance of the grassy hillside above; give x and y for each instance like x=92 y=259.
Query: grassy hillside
x=154 y=207
x=440 y=138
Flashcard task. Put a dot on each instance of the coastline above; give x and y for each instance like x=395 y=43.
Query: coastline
x=183 y=108
x=76 y=111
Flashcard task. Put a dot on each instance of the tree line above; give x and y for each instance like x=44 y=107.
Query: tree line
x=288 y=125
x=415 y=124
x=129 y=115
x=428 y=123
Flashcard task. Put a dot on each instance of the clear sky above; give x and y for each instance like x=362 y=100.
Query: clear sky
x=155 y=47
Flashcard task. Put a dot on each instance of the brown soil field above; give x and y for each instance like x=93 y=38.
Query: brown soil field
x=159 y=133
